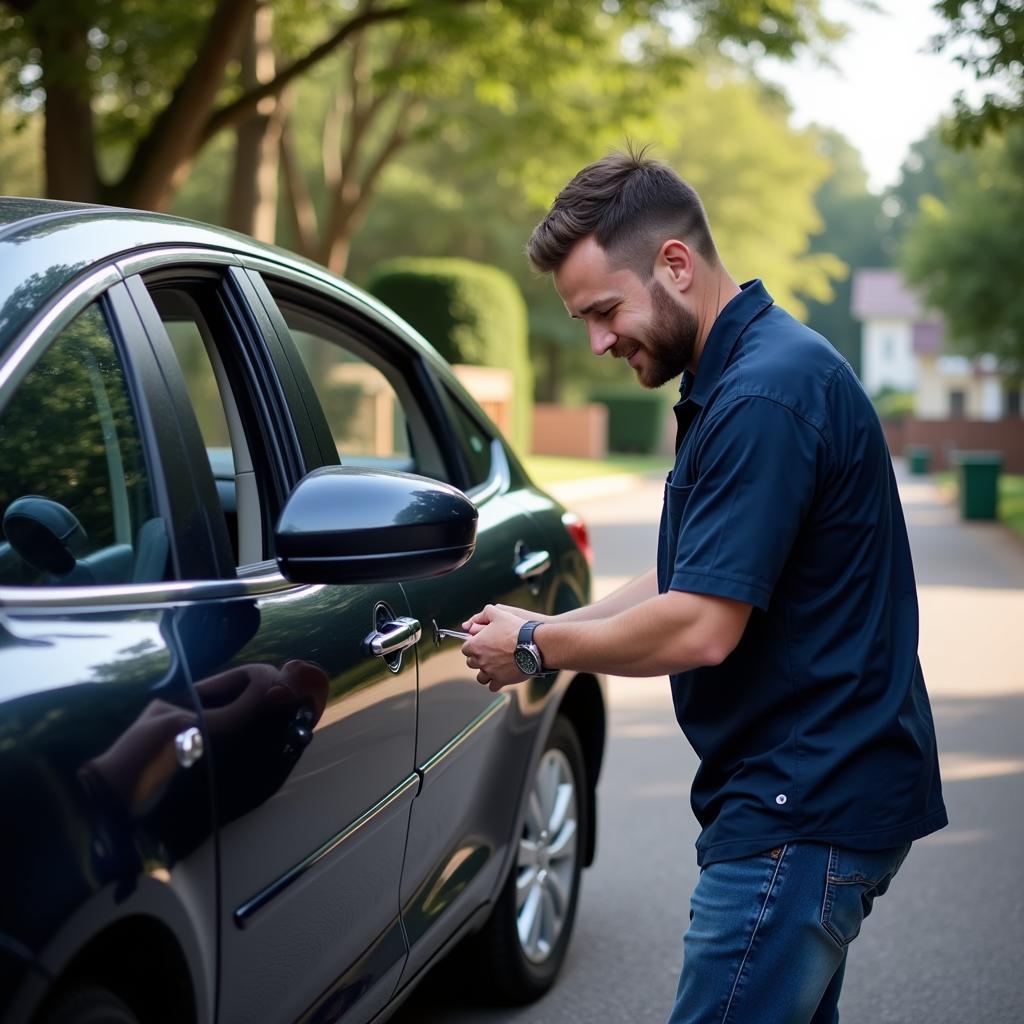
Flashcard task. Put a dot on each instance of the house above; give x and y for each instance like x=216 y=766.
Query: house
x=903 y=348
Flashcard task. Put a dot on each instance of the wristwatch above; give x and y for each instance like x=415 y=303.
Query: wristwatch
x=527 y=653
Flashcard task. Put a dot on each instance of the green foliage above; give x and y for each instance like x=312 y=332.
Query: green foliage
x=931 y=163
x=891 y=404
x=986 y=37
x=470 y=313
x=964 y=251
x=853 y=230
x=635 y=419
x=447 y=195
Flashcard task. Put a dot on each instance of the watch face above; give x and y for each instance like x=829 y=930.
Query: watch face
x=526 y=662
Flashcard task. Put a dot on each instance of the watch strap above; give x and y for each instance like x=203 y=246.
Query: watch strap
x=526 y=632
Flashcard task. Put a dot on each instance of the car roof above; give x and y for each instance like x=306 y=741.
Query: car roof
x=47 y=245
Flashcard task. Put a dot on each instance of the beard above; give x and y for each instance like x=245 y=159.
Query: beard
x=670 y=342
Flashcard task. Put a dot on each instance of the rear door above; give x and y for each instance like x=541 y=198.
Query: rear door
x=312 y=738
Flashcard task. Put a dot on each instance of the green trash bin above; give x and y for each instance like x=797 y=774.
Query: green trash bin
x=979 y=483
x=919 y=458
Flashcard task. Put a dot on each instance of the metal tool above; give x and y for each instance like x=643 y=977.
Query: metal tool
x=455 y=634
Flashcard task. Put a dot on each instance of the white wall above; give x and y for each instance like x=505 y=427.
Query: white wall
x=887 y=356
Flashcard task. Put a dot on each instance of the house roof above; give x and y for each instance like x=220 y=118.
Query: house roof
x=883 y=294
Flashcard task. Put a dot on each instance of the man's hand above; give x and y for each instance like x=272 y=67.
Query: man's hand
x=495 y=630
x=477 y=622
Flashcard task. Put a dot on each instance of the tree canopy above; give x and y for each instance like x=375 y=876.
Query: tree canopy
x=987 y=38
x=964 y=251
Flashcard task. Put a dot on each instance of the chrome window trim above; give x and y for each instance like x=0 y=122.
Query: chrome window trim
x=430 y=765
x=499 y=480
x=244 y=913
x=167 y=592
x=57 y=316
x=180 y=255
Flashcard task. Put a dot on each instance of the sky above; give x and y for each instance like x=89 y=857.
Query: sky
x=886 y=89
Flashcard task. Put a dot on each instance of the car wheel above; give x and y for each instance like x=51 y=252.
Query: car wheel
x=524 y=942
x=88 y=1004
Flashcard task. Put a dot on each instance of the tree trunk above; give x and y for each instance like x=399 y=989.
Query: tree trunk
x=68 y=136
x=252 y=201
x=163 y=159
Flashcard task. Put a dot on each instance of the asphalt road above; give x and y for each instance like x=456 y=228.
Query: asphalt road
x=944 y=946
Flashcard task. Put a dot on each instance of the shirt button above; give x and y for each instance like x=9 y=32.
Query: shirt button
x=781 y=799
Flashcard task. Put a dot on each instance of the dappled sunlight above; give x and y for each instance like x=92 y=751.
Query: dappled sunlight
x=645 y=730
x=956 y=766
x=660 y=790
x=956 y=837
x=970 y=641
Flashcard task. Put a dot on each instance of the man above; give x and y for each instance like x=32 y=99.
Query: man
x=783 y=603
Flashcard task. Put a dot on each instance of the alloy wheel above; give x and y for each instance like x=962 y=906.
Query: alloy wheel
x=548 y=853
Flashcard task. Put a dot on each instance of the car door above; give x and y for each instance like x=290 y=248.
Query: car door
x=384 y=407
x=106 y=816
x=311 y=736
x=471 y=744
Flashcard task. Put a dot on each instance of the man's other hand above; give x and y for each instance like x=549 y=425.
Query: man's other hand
x=495 y=630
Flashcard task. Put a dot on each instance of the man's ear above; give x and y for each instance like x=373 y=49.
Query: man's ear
x=675 y=260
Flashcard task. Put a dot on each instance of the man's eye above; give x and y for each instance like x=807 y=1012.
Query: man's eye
x=605 y=313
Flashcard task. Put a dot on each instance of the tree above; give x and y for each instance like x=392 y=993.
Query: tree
x=854 y=229
x=926 y=171
x=964 y=251
x=456 y=201
x=132 y=91
x=987 y=37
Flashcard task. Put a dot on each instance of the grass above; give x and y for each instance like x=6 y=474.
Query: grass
x=549 y=469
x=1011 y=497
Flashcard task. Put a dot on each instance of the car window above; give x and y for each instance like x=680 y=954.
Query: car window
x=183 y=312
x=476 y=442
x=370 y=406
x=76 y=505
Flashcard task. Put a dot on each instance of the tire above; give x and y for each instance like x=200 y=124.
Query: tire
x=520 y=962
x=88 y=1004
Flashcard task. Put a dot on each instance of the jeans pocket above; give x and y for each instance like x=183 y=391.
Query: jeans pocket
x=854 y=878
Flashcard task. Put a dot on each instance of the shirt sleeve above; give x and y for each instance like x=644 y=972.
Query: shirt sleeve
x=758 y=464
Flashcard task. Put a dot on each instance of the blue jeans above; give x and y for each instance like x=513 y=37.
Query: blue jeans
x=769 y=935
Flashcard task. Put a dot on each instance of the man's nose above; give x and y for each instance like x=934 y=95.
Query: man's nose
x=601 y=339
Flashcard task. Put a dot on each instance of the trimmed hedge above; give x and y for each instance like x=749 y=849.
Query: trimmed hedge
x=471 y=313
x=636 y=419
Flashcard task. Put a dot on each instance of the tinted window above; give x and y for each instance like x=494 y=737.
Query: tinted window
x=369 y=397
x=75 y=498
x=476 y=442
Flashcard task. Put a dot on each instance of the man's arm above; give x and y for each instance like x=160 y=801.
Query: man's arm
x=672 y=632
x=627 y=596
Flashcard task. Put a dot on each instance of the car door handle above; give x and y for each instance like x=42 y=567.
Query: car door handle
x=394 y=636
x=532 y=565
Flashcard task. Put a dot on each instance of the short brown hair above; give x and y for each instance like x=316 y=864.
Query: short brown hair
x=631 y=205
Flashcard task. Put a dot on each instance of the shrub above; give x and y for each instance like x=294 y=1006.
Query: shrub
x=471 y=313
x=894 y=405
x=636 y=419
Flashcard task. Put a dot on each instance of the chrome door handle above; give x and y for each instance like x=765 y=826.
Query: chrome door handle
x=533 y=565
x=394 y=636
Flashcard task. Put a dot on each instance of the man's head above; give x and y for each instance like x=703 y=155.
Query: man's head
x=628 y=243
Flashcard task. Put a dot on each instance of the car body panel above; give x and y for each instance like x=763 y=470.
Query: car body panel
x=108 y=827
x=352 y=820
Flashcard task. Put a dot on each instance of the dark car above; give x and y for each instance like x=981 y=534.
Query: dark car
x=243 y=777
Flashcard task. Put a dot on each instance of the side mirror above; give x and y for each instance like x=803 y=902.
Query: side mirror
x=352 y=525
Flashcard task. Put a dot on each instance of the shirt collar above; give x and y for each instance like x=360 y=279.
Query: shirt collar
x=739 y=311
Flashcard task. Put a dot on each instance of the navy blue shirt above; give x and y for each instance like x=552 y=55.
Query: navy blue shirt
x=817 y=726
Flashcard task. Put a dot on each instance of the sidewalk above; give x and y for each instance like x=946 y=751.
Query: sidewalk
x=970 y=581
